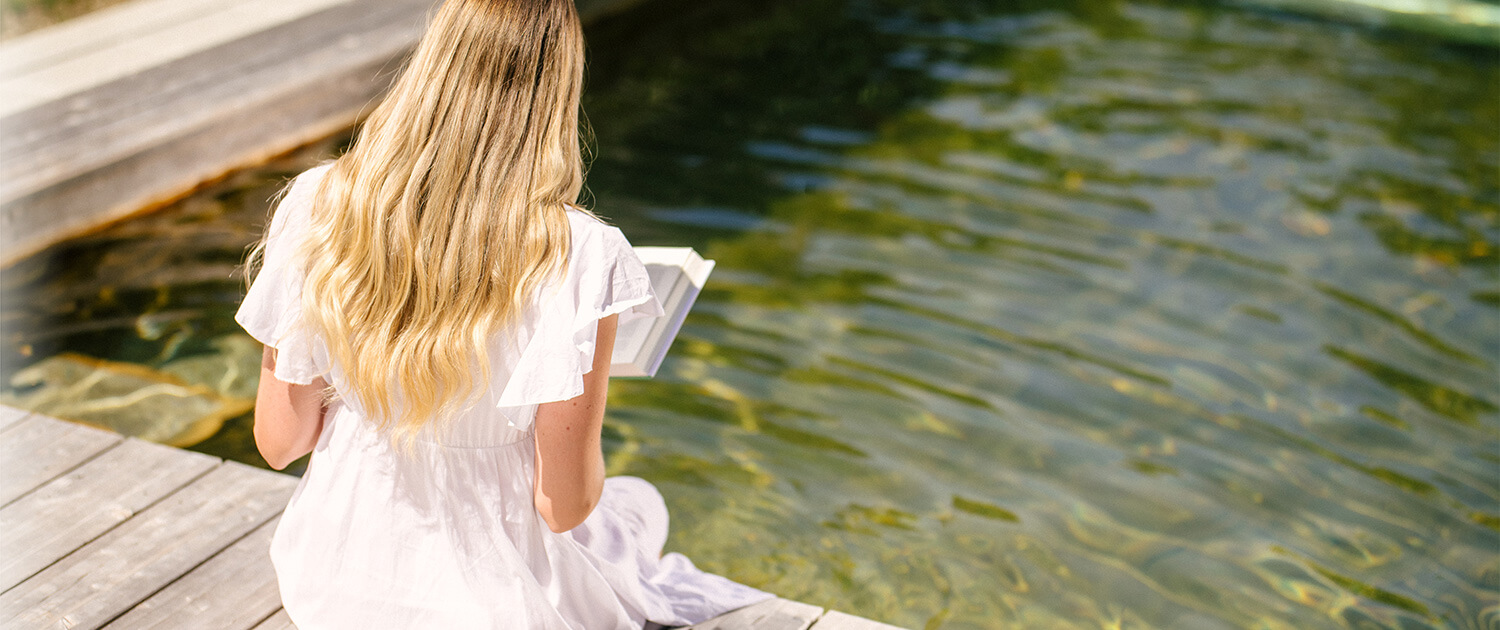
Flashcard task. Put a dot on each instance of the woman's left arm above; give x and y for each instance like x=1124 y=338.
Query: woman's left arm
x=288 y=417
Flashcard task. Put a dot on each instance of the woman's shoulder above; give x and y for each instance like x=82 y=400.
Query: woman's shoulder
x=589 y=232
x=293 y=211
x=583 y=220
x=317 y=172
x=306 y=182
x=296 y=199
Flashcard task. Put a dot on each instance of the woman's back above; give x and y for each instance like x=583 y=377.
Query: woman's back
x=444 y=532
x=438 y=280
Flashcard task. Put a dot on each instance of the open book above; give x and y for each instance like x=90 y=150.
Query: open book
x=677 y=275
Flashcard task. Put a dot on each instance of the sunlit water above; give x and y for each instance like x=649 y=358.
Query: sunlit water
x=1036 y=315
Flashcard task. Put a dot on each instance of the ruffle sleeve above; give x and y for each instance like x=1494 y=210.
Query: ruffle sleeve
x=272 y=309
x=604 y=278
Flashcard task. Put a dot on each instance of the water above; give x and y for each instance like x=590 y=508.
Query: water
x=1044 y=315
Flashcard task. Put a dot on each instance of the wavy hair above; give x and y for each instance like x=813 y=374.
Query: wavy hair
x=449 y=211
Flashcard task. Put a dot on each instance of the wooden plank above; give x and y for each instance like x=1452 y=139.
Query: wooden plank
x=148 y=41
x=234 y=590
x=39 y=448
x=835 y=620
x=49 y=523
x=108 y=152
x=96 y=29
x=772 y=614
x=278 y=621
x=121 y=118
x=9 y=416
x=118 y=570
x=100 y=154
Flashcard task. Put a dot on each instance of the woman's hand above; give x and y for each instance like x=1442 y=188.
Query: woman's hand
x=569 y=448
x=288 y=417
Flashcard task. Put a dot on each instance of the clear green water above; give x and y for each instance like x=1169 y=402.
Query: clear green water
x=1037 y=315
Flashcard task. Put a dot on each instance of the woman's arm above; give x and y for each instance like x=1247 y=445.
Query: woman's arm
x=288 y=417
x=569 y=452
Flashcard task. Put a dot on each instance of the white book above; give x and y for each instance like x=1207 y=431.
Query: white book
x=677 y=276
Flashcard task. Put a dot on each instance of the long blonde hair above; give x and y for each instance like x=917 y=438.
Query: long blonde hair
x=450 y=210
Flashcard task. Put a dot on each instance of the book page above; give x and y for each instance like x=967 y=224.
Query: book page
x=677 y=274
x=631 y=338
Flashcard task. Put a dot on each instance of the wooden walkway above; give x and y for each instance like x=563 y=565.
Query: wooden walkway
x=102 y=531
x=137 y=104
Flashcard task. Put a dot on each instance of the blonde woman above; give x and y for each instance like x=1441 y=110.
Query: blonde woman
x=438 y=321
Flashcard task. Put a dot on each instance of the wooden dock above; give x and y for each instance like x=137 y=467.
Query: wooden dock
x=137 y=104
x=102 y=531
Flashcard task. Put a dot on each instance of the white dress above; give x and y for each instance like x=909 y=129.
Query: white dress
x=447 y=536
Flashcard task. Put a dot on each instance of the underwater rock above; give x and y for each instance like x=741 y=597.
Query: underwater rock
x=127 y=398
x=233 y=370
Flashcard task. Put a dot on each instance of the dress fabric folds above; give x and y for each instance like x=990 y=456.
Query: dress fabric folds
x=445 y=535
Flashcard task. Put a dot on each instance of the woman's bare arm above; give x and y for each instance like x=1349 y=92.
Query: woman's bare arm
x=569 y=451
x=288 y=417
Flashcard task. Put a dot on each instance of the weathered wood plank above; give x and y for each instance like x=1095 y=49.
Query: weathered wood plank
x=107 y=152
x=234 y=590
x=9 y=416
x=772 y=614
x=278 y=621
x=95 y=30
x=39 y=448
x=153 y=43
x=154 y=106
x=835 y=620
x=112 y=574
x=100 y=154
x=66 y=513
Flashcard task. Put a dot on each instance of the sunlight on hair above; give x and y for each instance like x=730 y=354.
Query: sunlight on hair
x=450 y=209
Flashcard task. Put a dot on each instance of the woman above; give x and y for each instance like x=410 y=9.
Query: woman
x=438 y=321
